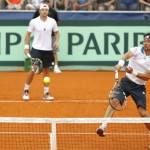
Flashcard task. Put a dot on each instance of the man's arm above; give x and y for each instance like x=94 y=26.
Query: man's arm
x=57 y=36
x=144 y=2
x=145 y=77
x=86 y=4
x=26 y=42
x=110 y=2
x=21 y=2
x=8 y=2
x=51 y=3
x=142 y=76
x=125 y=57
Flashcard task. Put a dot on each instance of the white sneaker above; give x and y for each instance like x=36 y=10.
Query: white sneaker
x=47 y=96
x=57 y=70
x=100 y=131
x=26 y=95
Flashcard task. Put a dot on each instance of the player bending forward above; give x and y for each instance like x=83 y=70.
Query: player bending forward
x=137 y=73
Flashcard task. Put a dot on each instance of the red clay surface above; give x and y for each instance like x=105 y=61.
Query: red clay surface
x=67 y=86
x=79 y=91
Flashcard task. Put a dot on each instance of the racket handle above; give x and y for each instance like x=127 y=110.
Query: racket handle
x=116 y=75
x=28 y=55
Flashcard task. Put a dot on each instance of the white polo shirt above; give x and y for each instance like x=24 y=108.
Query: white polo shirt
x=42 y=32
x=140 y=63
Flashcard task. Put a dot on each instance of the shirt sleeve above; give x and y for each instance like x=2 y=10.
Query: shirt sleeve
x=55 y=27
x=31 y=27
x=134 y=50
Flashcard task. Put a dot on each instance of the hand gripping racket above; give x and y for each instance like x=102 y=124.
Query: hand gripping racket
x=36 y=64
x=117 y=93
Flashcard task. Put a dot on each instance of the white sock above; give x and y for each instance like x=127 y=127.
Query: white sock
x=104 y=125
x=27 y=86
x=56 y=66
x=46 y=89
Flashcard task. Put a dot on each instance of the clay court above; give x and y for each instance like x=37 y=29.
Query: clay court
x=78 y=94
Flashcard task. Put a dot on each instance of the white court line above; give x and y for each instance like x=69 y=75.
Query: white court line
x=55 y=101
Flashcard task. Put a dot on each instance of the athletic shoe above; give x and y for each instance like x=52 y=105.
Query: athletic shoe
x=26 y=95
x=100 y=131
x=47 y=96
x=57 y=70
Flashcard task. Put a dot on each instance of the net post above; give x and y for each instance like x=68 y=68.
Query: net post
x=53 y=136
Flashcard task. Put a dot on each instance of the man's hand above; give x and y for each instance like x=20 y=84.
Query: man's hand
x=117 y=67
x=26 y=51
x=55 y=45
x=128 y=69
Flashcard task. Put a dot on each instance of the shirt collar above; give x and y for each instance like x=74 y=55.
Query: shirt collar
x=142 y=49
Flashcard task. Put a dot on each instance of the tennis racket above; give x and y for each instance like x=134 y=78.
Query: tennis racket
x=36 y=64
x=117 y=93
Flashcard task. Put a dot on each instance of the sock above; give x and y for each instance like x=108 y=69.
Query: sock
x=46 y=89
x=104 y=125
x=56 y=66
x=27 y=86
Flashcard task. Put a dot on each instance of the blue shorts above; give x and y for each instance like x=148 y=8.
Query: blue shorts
x=136 y=91
x=46 y=57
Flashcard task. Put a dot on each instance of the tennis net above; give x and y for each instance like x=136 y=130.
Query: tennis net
x=73 y=134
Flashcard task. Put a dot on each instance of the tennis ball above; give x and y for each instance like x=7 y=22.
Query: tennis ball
x=46 y=80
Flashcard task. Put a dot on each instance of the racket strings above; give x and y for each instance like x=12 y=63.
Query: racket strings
x=36 y=61
x=117 y=98
x=36 y=65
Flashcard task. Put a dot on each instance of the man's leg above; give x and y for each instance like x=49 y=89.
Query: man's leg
x=109 y=113
x=56 y=68
x=46 y=85
x=143 y=113
x=29 y=79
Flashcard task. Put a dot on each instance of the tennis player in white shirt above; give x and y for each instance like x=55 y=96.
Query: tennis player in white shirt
x=133 y=84
x=42 y=28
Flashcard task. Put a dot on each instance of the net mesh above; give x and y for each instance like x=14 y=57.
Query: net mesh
x=21 y=136
x=73 y=134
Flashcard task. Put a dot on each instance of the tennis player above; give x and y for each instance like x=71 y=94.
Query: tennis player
x=137 y=74
x=42 y=28
x=52 y=14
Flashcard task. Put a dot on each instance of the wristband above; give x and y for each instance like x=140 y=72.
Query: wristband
x=26 y=46
x=121 y=63
x=134 y=73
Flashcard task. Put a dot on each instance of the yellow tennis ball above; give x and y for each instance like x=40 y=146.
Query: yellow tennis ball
x=46 y=80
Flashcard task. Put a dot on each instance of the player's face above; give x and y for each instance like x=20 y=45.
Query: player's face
x=146 y=44
x=44 y=12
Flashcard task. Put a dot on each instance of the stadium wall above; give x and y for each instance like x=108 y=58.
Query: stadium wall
x=89 y=40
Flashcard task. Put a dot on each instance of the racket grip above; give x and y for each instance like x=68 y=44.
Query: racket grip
x=28 y=55
x=116 y=75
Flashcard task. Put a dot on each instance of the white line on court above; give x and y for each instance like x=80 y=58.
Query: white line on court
x=55 y=101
